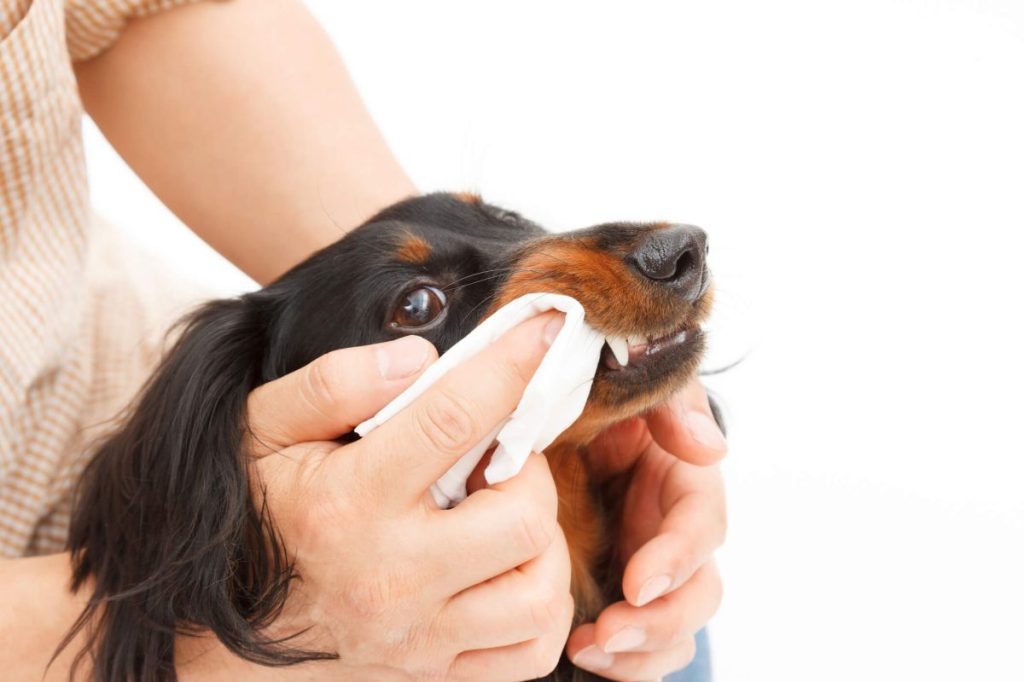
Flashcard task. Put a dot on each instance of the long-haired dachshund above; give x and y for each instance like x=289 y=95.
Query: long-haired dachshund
x=164 y=524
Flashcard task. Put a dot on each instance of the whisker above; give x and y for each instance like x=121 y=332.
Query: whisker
x=550 y=255
x=723 y=369
x=584 y=383
x=465 y=282
x=487 y=300
x=468 y=282
x=471 y=275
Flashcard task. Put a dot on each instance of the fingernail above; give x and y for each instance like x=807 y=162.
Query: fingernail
x=626 y=639
x=552 y=329
x=592 y=658
x=400 y=358
x=704 y=430
x=652 y=589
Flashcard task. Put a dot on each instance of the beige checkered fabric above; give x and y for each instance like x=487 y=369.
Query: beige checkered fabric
x=81 y=314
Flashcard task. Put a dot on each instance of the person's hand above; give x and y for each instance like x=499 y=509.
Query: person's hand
x=672 y=521
x=396 y=587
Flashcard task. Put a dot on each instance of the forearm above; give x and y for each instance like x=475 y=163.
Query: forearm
x=242 y=118
x=37 y=610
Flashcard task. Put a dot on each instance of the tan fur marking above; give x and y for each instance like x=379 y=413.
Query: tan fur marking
x=414 y=250
x=615 y=300
x=468 y=197
x=583 y=524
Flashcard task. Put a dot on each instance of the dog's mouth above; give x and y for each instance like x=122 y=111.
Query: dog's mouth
x=641 y=357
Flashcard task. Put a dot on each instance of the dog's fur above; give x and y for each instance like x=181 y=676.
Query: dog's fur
x=164 y=525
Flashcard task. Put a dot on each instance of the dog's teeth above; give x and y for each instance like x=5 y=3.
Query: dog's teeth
x=620 y=348
x=637 y=340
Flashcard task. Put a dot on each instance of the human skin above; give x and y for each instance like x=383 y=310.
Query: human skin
x=293 y=417
x=398 y=588
x=673 y=520
x=243 y=120
x=301 y=151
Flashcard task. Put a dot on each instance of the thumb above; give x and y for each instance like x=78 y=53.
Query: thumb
x=685 y=426
x=331 y=395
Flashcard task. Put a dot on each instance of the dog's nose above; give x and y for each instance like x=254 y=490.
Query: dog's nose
x=674 y=256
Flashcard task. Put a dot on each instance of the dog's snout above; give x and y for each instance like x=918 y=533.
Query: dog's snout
x=673 y=256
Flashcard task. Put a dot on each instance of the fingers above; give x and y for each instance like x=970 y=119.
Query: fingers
x=617 y=448
x=494 y=530
x=517 y=606
x=671 y=585
x=404 y=456
x=524 y=661
x=627 y=666
x=329 y=396
x=663 y=623
x=693 y=527
x=685 y=426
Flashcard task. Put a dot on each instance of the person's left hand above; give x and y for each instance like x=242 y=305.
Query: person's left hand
x=673 y=519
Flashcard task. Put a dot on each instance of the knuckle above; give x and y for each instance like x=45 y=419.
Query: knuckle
x=543 y=483
x=688 y=557
x=545 y=608
x=319 y=388
x=685 y=653
x=534 y=533
x=545 y=656
x=261 y=436
x=514 y=374
x=447 y=423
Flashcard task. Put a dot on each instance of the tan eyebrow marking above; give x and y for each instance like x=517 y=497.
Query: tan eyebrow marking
x=468 y=197
x=414 y=249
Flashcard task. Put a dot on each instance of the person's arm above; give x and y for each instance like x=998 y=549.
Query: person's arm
x=36 y=611
x=242 y=119
x=478 y=591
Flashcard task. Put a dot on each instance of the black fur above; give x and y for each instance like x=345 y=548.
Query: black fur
x=164 y=531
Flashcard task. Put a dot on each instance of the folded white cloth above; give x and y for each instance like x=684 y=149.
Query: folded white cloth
x=552 y=401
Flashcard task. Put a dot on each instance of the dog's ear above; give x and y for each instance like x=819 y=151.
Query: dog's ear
x=164 y=530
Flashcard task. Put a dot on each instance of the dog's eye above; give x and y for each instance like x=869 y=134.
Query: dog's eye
x=419 y=307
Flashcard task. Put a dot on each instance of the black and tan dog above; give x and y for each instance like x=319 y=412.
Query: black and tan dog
x=164 y=524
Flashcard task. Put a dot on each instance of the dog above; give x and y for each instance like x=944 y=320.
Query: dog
x=163 y=514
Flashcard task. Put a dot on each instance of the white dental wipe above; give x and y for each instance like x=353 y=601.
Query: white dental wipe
x=552 y=401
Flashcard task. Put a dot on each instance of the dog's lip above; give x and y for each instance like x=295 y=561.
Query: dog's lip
x=624 y=353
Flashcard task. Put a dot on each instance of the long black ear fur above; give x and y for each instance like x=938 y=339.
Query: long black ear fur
x=164 y=528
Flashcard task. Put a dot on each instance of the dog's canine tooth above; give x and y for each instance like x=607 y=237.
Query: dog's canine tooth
x=620 y=348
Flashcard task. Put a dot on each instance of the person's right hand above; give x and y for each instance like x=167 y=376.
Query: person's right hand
x=396 y=587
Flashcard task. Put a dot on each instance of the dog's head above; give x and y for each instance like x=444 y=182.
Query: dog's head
x=172 y=485
x=436 y=265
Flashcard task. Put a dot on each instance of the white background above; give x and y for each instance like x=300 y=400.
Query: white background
x=860 y=168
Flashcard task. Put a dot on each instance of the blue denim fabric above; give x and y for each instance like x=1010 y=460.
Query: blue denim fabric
x=699 y=669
